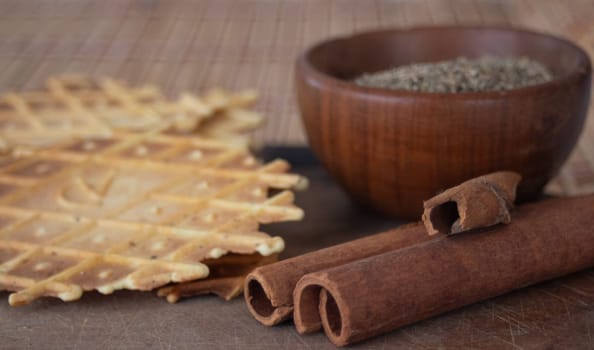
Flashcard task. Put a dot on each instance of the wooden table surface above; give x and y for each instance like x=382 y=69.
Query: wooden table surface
x=195 y=45
x=554 y=315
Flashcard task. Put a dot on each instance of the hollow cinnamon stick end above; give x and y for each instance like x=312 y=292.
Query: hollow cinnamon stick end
x=258 y=299
x=316 y=308
x=306 y=298
x=332 y=321
x=480 y=202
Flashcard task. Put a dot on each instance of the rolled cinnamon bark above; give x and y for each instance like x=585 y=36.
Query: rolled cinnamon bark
x=480 y=202
x=224 y=287
x=371 y=296
x=226 y=277
x=269 y=289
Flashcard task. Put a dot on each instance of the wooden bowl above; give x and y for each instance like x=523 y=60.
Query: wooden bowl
x=393 y=149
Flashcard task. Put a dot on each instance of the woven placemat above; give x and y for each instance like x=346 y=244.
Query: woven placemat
x=235 y=44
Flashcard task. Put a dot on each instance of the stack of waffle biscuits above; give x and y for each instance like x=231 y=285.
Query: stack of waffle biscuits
x=138 y=203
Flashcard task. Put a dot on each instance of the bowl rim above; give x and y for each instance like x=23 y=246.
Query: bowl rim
x=583 y=67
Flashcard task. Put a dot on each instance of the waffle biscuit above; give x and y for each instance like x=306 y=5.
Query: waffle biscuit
x=79 y=106
x=136 y=211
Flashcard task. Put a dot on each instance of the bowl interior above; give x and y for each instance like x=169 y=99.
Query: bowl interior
x=346 y=58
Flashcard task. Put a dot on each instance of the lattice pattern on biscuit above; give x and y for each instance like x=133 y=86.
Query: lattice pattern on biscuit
x=78 y=106
x=136 y=211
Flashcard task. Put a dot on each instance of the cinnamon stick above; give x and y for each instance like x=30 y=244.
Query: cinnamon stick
x=480 y=202
x=269 y=289
x=225 y=287
x=380 y=293
x=226 y=277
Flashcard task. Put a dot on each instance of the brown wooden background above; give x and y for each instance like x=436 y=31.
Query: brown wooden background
x=193 y=45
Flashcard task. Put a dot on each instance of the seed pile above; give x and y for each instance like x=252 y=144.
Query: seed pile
x=487 y=73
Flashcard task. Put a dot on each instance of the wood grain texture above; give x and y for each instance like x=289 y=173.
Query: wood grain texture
x=394 y=149
x=193 y=45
